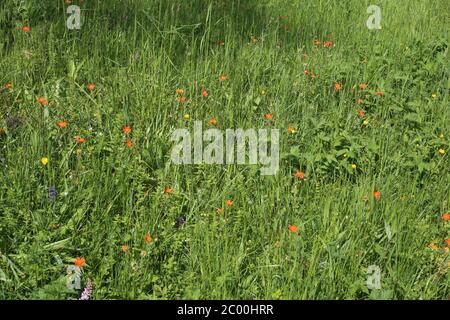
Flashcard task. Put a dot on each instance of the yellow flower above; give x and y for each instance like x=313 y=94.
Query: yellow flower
x=186 y=116
x=44 y=161
x=433 y=246
x=441 y=136
x=366 y=122
x=354 y=166
x=441 y=152
x=434 y=95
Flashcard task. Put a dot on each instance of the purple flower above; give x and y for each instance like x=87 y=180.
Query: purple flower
x=52 y=193
x=87 y=292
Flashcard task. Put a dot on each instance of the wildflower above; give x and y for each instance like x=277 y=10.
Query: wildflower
x=441 y=152
x=328 y=44
x=441 y=136
x=186 y=116
x=306 y=72
x=179 y=91
x=8 y=85
x=43 y=101
x=80 y=140
x=44 y=161
x=229 y=202
x=448 y=242
x=446 y=217
x=446 y=250
x=219 y=210
x=433 y=246
x=299 y=174
x=52 y=193
x=223 y=77
x=26 y=29
x=129 y=143
x=292 y=228
x=366 y=122
x=361 y=113
x=180 y=221
x=363 y=86
x=87 y=292
x=126 y=129
x=90 y=86
x=379 y=93
x=124 y=248
x=337 y=86
x=434 y=95
x=317 y=42
x=204 y=93
x=354 y=166
x=62 y=124
x=212 y=122
x=268 y=116
x=376 y=195
x=80 y=262
x=291 y=130
x=148 y=238
x=168 y=190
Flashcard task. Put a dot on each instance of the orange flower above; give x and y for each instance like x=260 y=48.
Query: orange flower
x=8 y=85
x=379 y=93
x=129 y=143
x=223 y=77
x=26 y=29
x=80 y=140
x=337 y=86
x=328 y=44
x=43 y=101
x=363 y=86
x=446 y=217
x=125 y=248
x=229 y=202
x=126 y=129
x=299 y=175
x=168 y=190
x=62 y=124
x=448 y=242
x=90 y=86
x=204 y=93
x=376 y=195
x=306 y=72
x=433 y=246
x=317 y=42
x=219 y=210
x=291 y=130
x=148 y=238
x=292 y=228
x=268 y=116
x=79 y=262
x=181 y=99
x=212 y=122
x=179 y=91
x=361 y=113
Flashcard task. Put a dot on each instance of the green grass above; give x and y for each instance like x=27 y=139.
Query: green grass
x=138 y=53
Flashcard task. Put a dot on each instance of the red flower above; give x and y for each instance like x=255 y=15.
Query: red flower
x=204 y=93
x=379 y=93
x=62 y=124
x=168 y=190
x=212 y=122
x=43 y=101
x=26 y=29
x=90 y=86
x=376 y=195
x=79 y=262
x=361 y=113
x=126 y=129
x=292 y=228
x=268 y=116
x=446 y=217
x=306 y=72
x=148 y=238
x=223 y=77
x=9 y=85
x=80 y=140
x=229 y=202
x=328 y=44
x=299 y=175
x=129 y=143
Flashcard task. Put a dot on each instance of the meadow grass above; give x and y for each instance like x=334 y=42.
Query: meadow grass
x=110 y=195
